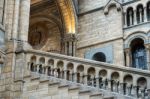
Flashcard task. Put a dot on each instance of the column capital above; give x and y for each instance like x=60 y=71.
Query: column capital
x=147 y=46
x=127 y=50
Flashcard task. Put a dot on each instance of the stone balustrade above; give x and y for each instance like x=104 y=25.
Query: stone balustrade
x=120 y=79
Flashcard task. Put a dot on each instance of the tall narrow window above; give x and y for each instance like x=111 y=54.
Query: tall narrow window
x=1 y=11
x=130 y=16
x=140 y=14
x=138 y=54
x=148 y=11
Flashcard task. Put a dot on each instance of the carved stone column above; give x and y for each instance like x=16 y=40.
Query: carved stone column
x=135 y=19
x=70 y=44
x=125 y=19
x=65 y=74
x=147 y=47
x=85 y=79
x=75 y=77
x=24 y=19
x=145 y=14
x=128 y=55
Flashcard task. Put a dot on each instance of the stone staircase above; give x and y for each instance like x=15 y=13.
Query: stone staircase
x=41 y=86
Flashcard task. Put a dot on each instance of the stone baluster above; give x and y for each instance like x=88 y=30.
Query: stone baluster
x=52 y=72
x=117 y=86
x=81 y=79
x=135 y=91
x=143 y=93
x=65 y=74
x=121 y=88
x=43 y=69
x=128 y=90
x=112 y=85
x=85 y=79
x=109 y=85
x=55 y=73
x=148 y=94
x=97 y=82
x=37 y=68
x=61 y=74
x=75 y=77
x=106 y=83
x=72 y=77
x=46 y=70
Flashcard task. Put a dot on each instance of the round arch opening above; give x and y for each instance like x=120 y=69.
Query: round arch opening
x=100 y=56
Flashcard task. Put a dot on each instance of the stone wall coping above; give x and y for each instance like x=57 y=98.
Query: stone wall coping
x=90 y=62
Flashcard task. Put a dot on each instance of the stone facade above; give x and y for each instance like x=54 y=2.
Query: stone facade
x=74 y=49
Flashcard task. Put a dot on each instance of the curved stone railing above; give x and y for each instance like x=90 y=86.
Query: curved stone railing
x=120 y=79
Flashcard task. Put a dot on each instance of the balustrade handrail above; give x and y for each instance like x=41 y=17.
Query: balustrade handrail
x=51 y=78
x=90 y=62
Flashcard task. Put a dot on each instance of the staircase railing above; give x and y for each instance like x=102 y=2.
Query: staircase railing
x=119 y=79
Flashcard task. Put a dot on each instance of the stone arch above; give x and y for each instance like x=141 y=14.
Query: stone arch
x=80 y=71
x=128 y=79
x=138 y=34
x=91 y=75
x=70 y=68
x=60 y=65
x=115 y=76
x=69 y=15
x=103 y=73
x=142 y=82
x=140 y=13
x=130 y=16
x=112 y=3
x=138 y=60
x=42 y=60
x=33 y=59
x=60 y=68
x=51 y=62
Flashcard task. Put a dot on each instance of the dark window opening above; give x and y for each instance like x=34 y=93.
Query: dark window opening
x=138 y=54
x=130 y=17
x=99 y=57
x=148 y=11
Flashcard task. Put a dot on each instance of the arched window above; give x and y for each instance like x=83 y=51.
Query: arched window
x=130 y=16
x=148 y=11
x=140 y=13
x=138 y=54
x=99 y=57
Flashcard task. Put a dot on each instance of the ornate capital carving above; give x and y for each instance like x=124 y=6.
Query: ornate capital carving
x=70 y=37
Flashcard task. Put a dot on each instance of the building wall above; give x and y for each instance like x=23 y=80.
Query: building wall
x=96 y=29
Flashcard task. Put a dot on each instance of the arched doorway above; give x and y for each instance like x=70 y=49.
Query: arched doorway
x=138 y=54
x=99 y=57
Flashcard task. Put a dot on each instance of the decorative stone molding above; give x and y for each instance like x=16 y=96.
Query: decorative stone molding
x=112 y=3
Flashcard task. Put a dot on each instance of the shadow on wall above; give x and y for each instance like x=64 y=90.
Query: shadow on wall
x=103 y=54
